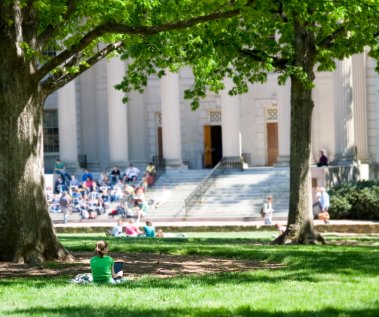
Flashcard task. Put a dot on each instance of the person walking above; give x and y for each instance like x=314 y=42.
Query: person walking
x=65 y=204
x=324 y=202
x=267 y=210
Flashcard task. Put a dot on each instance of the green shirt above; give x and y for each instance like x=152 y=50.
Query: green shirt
x=59 y=166
x=150 y=231
x=143 y=206
x=102 y=269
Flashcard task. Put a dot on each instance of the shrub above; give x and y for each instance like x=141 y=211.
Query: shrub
x=358 y=200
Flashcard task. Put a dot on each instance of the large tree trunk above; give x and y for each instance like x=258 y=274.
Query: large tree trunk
x=26 y=230
x=300 y=227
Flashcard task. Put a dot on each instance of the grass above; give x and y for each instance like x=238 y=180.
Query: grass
x=316 y=281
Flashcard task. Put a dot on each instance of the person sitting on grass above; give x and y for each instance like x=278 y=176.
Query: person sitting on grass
x=117 y=230
x=149 y=230
x=132 y=230
x=281 y=230
x=141 y=209
x=160 y=234
x=102 y=265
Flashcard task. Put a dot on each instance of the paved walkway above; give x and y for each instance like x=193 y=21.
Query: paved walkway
x=209 y=223
x=340 y=226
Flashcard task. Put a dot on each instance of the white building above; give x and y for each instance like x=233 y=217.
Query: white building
x=87 y=117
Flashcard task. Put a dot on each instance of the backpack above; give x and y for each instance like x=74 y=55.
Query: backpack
x=262 y=213
x=92 y=214
x=120 y=210
x=126 y=214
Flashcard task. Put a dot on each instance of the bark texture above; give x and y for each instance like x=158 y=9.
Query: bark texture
x=26 y=230
x=300 y=227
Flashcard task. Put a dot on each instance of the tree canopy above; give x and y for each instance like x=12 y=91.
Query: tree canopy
x=244 y=48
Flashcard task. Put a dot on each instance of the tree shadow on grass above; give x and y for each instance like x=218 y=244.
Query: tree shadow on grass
x=344 y=260
x=244 y=311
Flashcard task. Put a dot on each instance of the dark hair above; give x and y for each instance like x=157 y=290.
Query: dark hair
x=89 y=177
x=131 y=165
x=148 y=223
x=151 y=163
x=101 y=248
x=58 y=160
x=322 y=152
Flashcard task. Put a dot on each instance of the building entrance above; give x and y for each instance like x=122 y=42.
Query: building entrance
x=160 y=142
x=272 y=143
x=212 y=145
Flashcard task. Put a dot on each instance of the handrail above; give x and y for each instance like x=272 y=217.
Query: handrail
x=160 y=166
x=224 y=166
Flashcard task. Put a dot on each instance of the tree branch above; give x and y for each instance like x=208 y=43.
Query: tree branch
x=52 y=30
x=53 y=83
x=143 y=31
x=325 y=43
x=255 y=55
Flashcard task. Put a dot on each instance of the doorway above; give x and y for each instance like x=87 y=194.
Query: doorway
x=272 y=143
x=160 y=143
x=212 y=145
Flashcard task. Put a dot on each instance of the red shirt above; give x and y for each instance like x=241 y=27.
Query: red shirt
x=89 y=183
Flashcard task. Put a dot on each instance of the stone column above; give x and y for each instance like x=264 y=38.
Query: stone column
x=171 y=131
x=117 y=115
x=360 y=106
x=88 y=118
x=343 y=113
x=230 y=113
x=68 y=146
x=137 y=128
x=284 y=123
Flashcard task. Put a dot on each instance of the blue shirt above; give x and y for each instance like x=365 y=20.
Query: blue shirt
x=74 y=182
x=76 y=195
x=324 y=200
x=84 y=178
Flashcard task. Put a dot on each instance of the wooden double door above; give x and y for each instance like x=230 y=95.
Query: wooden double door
x=212 y=145
x=272 y=143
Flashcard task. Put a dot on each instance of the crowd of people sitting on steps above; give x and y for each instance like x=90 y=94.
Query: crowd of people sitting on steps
x=119 y=193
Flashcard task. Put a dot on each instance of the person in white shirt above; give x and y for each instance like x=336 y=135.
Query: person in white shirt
x=49 y=194
x=267 y=210
x=164 y=197
x=131 y=174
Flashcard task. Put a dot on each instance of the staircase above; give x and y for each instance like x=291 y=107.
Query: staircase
x=181 y=183
x=238 y=194
x=242 y=194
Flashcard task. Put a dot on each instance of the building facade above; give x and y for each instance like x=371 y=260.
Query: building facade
x=87 y=117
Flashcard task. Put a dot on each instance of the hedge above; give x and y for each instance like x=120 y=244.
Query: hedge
x=358 y=200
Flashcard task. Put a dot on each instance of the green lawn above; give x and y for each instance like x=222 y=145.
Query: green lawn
x=315 y=281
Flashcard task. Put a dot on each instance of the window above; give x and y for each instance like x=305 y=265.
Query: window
x=50 y=51
x=214 y=117
x=50 y=131
x=158 y=119
x=272 y=114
